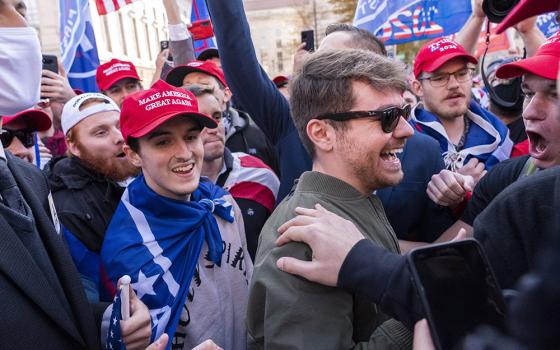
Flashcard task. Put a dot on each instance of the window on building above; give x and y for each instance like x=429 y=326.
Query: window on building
x=136 y=39
x=278 y=43
x=107 y=37
x=123 y=39
x=280 y=61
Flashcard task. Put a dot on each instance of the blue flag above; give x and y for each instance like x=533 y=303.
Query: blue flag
x=547 y=24
x=114 y=338
x=200 y=12
x=401 y=21
x=77 y=44
x=487 y=138
x=157 y=241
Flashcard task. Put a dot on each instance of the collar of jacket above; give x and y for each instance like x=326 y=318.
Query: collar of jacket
x=72 y=173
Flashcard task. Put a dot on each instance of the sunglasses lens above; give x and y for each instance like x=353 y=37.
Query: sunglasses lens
x=28 y=140
x=6 y=137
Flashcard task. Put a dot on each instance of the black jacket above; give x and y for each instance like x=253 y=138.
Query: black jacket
x=84 y=199
x=32 y=316
x=245 y=136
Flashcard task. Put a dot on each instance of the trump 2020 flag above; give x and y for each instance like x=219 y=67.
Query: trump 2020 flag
x=77 y=44
x=200 y=12
x=401 y=21
x=157 y=241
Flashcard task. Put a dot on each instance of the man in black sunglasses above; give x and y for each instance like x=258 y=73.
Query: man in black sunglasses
x=348 y=108
x=18 y=132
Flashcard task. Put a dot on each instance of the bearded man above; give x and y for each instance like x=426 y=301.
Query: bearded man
x=86 y=184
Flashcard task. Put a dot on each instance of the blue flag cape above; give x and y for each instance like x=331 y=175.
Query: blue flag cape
x=487 y=139
x=157 y=242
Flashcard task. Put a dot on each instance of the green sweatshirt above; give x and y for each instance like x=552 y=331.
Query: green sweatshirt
x=289 y=312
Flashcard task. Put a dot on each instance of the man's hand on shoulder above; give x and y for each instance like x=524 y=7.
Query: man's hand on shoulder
x=329 y=236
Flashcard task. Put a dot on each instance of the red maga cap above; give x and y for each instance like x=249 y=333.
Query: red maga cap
x=176 y=75
x=109 y=73
x=436 y=53
x=525 y=9
x=543 y=63
x=34 y=120
x=144 y=111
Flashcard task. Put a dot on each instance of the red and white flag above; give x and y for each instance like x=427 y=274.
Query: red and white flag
x=106 y=6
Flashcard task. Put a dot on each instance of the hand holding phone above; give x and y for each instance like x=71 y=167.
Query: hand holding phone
x=308 y=38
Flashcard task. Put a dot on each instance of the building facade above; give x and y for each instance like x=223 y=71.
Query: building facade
x=134 y=32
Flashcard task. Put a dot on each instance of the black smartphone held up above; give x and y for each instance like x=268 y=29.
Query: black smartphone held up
x=458 y=290
x=50 y=62
x=163 y=45
x=308 y=37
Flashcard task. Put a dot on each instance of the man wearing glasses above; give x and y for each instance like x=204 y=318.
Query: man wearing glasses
x=467 y=133
x=18 y=134
x=348 y=108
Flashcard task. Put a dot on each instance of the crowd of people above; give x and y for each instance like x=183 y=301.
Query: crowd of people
x=253 y=212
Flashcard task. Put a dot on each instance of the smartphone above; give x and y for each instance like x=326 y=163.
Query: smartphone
x=308 y=37
x=202 y=29
x=50 y=62
x=163 y=45
x=458 y=290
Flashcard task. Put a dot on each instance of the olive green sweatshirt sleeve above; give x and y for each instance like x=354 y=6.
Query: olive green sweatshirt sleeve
x=296 y=314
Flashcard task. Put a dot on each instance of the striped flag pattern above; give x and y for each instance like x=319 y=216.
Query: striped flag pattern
x=106 y=6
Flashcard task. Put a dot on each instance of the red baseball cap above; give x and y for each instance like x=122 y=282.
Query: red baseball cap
x=109 y=73
x=436 y=53
x=279 y=80
x=145 y=110
x=543 y=63
x=525 y=9
x=34 y=119
x=176 y=75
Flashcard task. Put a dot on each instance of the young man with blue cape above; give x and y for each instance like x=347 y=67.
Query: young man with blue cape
x=178 y=236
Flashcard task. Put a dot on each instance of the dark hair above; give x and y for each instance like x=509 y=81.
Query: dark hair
x=361 y=39
x=133 y=143
x=324 y=84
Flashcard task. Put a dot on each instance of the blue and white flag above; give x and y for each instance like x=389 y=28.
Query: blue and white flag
x=547 y=24
x=77 y=44
x=401 y=21
x=114 y=337
x=200 y=12
x=157 y=241
x=487 y=138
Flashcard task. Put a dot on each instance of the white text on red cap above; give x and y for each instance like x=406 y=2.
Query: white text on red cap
x=117 y=67
x=160 y=99
x=442 y=45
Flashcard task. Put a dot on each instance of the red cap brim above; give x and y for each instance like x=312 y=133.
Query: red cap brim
x=444 y=59
x=526 y=9
x=204 y=121
x=545 y=66
x=112 y=81
x=35 y=120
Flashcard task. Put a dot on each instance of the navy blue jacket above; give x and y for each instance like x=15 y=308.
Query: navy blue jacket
x=255 y=93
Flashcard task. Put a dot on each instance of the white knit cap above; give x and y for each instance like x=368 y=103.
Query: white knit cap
x=71 y=114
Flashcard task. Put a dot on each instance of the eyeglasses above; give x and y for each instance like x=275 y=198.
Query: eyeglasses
x=442 y=79
x=27 y=138
x=389 y=117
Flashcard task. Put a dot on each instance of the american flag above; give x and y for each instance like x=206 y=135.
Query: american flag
x=106 y=6
x=114 y=339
